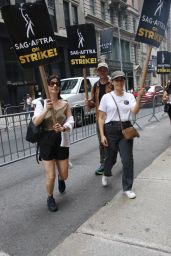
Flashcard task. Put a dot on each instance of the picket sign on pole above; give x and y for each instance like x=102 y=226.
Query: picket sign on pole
x=145 y=69
x=34 y=40
x=85 y=83
x=44 y=81
x=152 y=33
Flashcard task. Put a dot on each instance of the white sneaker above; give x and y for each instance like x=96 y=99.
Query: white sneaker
x=130 y=194
x=104 y=181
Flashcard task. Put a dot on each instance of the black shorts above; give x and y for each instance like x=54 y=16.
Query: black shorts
x=50 y=147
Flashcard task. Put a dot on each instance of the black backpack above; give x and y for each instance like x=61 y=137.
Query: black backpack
x=34 y=133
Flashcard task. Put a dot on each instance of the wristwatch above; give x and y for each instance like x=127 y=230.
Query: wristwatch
x=64 y=129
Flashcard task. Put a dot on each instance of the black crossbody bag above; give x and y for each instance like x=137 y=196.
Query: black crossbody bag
x=35 y=133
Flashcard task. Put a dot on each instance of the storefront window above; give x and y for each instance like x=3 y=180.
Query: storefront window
x=66 y=13
x=74 y=15
x=52 y=14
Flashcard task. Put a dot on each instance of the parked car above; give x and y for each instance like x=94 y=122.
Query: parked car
x=72 y=90
x=152 y=92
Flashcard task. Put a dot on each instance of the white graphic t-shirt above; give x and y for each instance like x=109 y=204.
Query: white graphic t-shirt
x=125 y=103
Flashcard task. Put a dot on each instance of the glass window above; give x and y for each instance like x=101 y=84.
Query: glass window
x=127 y=52
x=66 y=13
x=82 y=88
x=135 y=53
x=19 y=1
x=159 y=88
x=52 y=14
x=69 y=86
x=4 y=2
x=103 y=13
x=134 y=25
x=151 y=89
x=119 y=20
x=74 y=15
x=126 y=22
x=115 y=49
x=111 y=16
x=50 y=4
x=92 y=6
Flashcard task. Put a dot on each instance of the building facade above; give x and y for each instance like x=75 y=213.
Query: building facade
x=127 y=54
x=122 y=16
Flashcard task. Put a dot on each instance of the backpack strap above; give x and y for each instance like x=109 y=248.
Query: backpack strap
x=94 y=90
x=42 y=102
x=37 y=152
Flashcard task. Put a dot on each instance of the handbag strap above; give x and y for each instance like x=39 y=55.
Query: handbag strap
x=42 y=102
x=117 y=111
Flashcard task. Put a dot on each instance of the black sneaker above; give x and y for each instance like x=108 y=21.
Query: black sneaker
x=61 y=185
x=51 y=204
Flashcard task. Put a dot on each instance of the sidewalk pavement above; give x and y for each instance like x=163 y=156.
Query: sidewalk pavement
x=129 y=227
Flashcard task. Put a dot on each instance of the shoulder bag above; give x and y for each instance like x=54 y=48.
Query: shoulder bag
x=166 y=107
x=35 y=133
x=130 y=132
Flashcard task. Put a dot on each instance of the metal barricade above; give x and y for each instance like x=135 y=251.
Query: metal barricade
x=13 y=109
x=13 y=127
x=146 y=111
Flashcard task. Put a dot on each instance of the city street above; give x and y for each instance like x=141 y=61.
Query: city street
x=73 y=55
x=27 y=228
x=13 y=139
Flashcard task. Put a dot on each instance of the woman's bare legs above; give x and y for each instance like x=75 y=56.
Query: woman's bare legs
x=50 y=176
x=50 y=183
x=62 y=166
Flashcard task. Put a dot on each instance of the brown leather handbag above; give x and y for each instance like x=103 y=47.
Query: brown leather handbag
x=130 y=132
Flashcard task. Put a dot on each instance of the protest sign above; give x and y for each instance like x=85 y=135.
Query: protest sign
x=163 y=62
x=153 y=22
x=82 y=45
x=31 y=33
x=32 y=37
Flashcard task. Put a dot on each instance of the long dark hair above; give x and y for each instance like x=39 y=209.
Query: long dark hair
x=59 y=83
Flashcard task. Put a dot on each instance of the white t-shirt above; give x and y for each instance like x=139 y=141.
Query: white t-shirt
x=125 y=103
x=35 y=101
x=39 y=107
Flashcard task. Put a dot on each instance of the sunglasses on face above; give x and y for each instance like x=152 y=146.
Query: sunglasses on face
x=51 y=84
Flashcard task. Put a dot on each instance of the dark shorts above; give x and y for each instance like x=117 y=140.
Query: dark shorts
x=50 y=147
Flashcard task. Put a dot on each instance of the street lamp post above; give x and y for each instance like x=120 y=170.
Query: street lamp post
x=120 y=50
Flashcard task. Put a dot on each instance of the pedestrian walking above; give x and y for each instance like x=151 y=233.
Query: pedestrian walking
x=54 y=145
x=34 y=102
x=28 y=106
x=101 y=87
x=111 y=133
x=167 y=99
